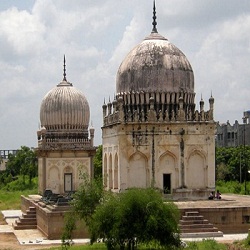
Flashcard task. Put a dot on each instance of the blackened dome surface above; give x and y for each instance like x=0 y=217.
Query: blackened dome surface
x=64 y=108
x=155 y=65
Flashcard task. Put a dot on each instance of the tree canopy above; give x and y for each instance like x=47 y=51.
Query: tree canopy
x=232 y=163
x=98 y=162
x=23 y=163
x=137 y=216
x=123 y=220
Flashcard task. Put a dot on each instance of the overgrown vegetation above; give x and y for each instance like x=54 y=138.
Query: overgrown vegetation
x=137 y=216
x=233 y=187
x=210 y=244
x=98 y=163
x=23 y=164
x=232 y=163
x=11 y=199
x=125 y=220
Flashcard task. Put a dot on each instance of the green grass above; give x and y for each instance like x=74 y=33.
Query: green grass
x=205 y=245
x=233 y=187
x=82 y=247
x=12 y=199
x=195 y=245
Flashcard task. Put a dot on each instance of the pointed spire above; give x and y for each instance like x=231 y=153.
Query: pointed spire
x=211 y=99
x=154 y=30
x=64 y=69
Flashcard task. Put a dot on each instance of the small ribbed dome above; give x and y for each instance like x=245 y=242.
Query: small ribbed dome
x=155 y=65
x=64 y=108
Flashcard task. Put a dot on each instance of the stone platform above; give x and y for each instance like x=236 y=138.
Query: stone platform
x=231 y=214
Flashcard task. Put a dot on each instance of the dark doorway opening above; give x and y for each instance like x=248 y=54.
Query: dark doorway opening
x=167 y=183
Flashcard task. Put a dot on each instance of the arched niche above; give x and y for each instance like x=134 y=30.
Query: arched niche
x=167 y=174
x=110 y=175
x=138 y=173
x=54 y=179
x=116 y=172
x=105 y=174
x=196 y=174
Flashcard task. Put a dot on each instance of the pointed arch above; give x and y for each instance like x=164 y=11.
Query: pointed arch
x=138 y=172
x=116 y=172
x=105 y=165
x=110 y=172
x=196 y=173
x=167 y=166
x=53 y=179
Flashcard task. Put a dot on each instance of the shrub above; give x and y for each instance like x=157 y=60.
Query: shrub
x=137 y=216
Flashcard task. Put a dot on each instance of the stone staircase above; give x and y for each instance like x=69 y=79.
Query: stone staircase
x=27 y=220
x=192 y=225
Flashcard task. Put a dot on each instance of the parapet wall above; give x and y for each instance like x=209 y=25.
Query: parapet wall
x=50 y=219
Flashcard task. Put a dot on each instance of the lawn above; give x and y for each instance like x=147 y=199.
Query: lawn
x=12 y=199
x=209 y=244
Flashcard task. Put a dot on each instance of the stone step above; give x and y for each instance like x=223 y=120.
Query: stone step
x=205 y=225
x=202 y=235
x=26 y=221
x=199 y=230
x=23 y=227
x=30 y=211
x=31 y=216
x=195 y=217
x=192 y=223
x=188 y=222
x=192 y=213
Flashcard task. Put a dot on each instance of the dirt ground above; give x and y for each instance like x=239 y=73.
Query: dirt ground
x=8 y=241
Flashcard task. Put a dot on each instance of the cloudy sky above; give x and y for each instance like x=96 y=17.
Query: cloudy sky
x=95 y=36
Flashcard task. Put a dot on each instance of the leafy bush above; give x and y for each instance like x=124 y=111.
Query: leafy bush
x=247 y=240
x=137 y=216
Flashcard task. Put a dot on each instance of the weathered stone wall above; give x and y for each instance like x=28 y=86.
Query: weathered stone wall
x=229 y=220
x=142 y=153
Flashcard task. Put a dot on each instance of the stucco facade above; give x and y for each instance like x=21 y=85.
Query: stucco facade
x=65 y=142
x=62 y=172
x=175 y=157
x=152 y=134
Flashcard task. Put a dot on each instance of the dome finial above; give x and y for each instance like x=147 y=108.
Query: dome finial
x=154 y=30
x=64 y=69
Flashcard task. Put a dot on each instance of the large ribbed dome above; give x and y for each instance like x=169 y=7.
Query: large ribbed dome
x=155 y=65
x=64 y=108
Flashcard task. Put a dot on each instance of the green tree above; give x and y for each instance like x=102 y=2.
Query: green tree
x=134 y=217
x=232 y=163
x=23 y=163
x=84 y=203
x=98 y=162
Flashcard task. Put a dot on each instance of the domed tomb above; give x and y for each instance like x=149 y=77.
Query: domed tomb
x=156 y=69
x=64 y=108
x=155 y=65
x=152 y=134
x=64 y=115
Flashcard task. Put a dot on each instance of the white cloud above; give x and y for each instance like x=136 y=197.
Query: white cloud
x=222 y=65
x=96 y=35
x=22 y=30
